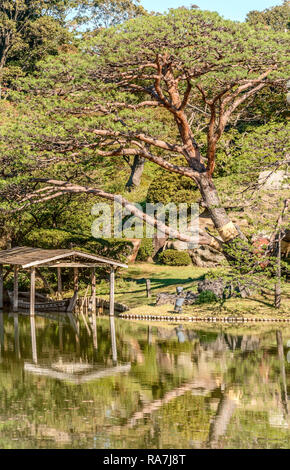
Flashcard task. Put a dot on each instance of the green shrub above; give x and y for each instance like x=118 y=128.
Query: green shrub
x=206 y=297
x=169 y=187
x=53 y=238
x=48 y=238
x=23 y=282
x=174 y=258
x=146 y=249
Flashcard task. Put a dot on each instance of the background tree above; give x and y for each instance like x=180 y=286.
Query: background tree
x=276 y=18
x=123 y=96
x=33 y=29
x=29 y=30
x=95 y=14
x=19 y=21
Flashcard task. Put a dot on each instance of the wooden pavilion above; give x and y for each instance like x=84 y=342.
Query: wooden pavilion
x=32 y=259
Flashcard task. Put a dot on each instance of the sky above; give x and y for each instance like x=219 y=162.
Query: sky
x=229 y=9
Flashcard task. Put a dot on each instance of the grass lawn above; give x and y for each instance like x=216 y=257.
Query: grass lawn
x=131 y=290
x=131 y=286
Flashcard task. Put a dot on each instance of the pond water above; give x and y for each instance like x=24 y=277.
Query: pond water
x=130 y=385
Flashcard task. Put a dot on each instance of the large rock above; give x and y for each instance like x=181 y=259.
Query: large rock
x=217 y=287
x=136 y=242
x=276 y=180
x=165 y=298
x=177 y=245
x=224 y=290
x=206 y=257
x=190 y=298
x=158 y=245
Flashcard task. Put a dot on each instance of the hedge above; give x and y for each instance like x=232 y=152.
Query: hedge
x=174 y=258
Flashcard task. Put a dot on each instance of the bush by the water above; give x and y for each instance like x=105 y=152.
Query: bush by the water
x=145 y=250
x=206 y=297
x=174 y=258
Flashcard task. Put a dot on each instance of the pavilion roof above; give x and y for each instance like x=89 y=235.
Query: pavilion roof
x=27 y=257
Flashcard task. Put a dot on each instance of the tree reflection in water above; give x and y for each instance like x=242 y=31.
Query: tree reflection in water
x=133 y=385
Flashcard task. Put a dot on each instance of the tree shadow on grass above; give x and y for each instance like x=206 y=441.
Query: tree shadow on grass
x=157 y=283
x=261 y=302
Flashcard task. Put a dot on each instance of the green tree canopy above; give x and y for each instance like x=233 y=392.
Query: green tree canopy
x=130 y=90
x=277 y=18
x=32 y=29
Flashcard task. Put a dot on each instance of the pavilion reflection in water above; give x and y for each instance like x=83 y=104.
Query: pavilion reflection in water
x=73 y=372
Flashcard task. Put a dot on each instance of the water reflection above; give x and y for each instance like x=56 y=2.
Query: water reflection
x=180 y=334
x=283 y=380
x=33 y=339
x=226 y=407
x=16 y=336
x=60 y=336
x=132 y=385
x=113 y=340
x=66 y=371
x=94 y=330
x=1 y=334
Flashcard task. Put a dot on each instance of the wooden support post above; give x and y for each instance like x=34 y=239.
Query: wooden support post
x=76 y=280
x=15 y=289
x=94 y=291
x=94 y=323
x=72 y=303
x=32 y=292
x=59 y=283
x=82 y=310
x=94 y=328
x=1 y=287
x=112 y=291
x=84 y=304
x=148 y=287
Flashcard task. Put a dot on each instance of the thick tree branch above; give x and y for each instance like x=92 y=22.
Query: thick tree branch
x=112 y=107
x=55 y=189
x=186 y=96
x=142 y=137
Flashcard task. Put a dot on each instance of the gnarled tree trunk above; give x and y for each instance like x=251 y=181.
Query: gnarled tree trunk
x=136 y=173
x=221 y=220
